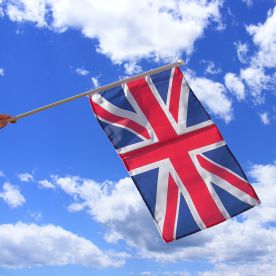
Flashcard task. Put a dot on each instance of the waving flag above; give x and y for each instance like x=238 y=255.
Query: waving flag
x=174 y=152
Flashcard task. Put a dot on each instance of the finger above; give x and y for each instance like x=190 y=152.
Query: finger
x=3 y=123
x=5 y=116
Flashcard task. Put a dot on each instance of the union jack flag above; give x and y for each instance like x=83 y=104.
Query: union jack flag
x=178 y=160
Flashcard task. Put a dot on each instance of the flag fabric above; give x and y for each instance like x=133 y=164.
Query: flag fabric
x=177 y=158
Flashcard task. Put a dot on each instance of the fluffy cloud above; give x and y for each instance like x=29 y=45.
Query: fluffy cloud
x=235 y=85
x=93 y=197
x=249 y=3
x=264 y=36
x=27 y=245
x=242 y=50
x=119 y=207
x=1 y=9
x=12 y=196
x=241 y=270
x=2 y=71
x=265 y=179
x=25 y=177
x=255 y=75
x=95 y=82
x=213 y=95
x=28 y=10
x=264 y=118
x=132 y=68
x=257 y=81
x=211 y=67
x=46 y=184
x=82 y=72
x=126 y=29
x=37 y=216
x=75 y=207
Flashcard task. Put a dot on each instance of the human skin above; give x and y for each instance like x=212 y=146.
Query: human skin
x=4 y=120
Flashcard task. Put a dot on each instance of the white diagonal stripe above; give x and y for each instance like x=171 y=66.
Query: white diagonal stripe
x=183 y=107
x=170 y=89
x=121 y=126
x=224 y=168
x=113 y=109
x=206 y=178
x=148 y=167
x=177 y=214
x=231 y=189
x=161 y=196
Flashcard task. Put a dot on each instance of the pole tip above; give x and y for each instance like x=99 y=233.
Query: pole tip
x=180 y=61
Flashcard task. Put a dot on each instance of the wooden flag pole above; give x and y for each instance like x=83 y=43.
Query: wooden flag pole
x=98 y=90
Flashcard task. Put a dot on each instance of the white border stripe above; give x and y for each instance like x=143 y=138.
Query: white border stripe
x=183 y=107
x=151 y=166
x=177 y=214
x=170 y=89
x=161 y=196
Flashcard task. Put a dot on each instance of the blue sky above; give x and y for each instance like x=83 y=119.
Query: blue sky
x=67 y=205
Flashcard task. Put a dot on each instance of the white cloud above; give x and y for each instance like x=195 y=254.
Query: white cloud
x=164 y=273
x=12 y=196
x=28 y=10
x=264 y=36
x=95 y=82
x=2 y=71
x=249 y=3
x=1 y=9
x=28 y=245
x=213 y=95
x=82 y=72
x=264 y=118
x=257 y=81
x=93 y=196
x=132 y=68
x=265 y=179
x=242 y=50
x=2 y=174
x=211 y=67
x=25 y=177
x=256 y=76
x=126 y=29
x=46 y=184
x=251 y=269
x=235 y=85
x=37 y=216
x=75 y=207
